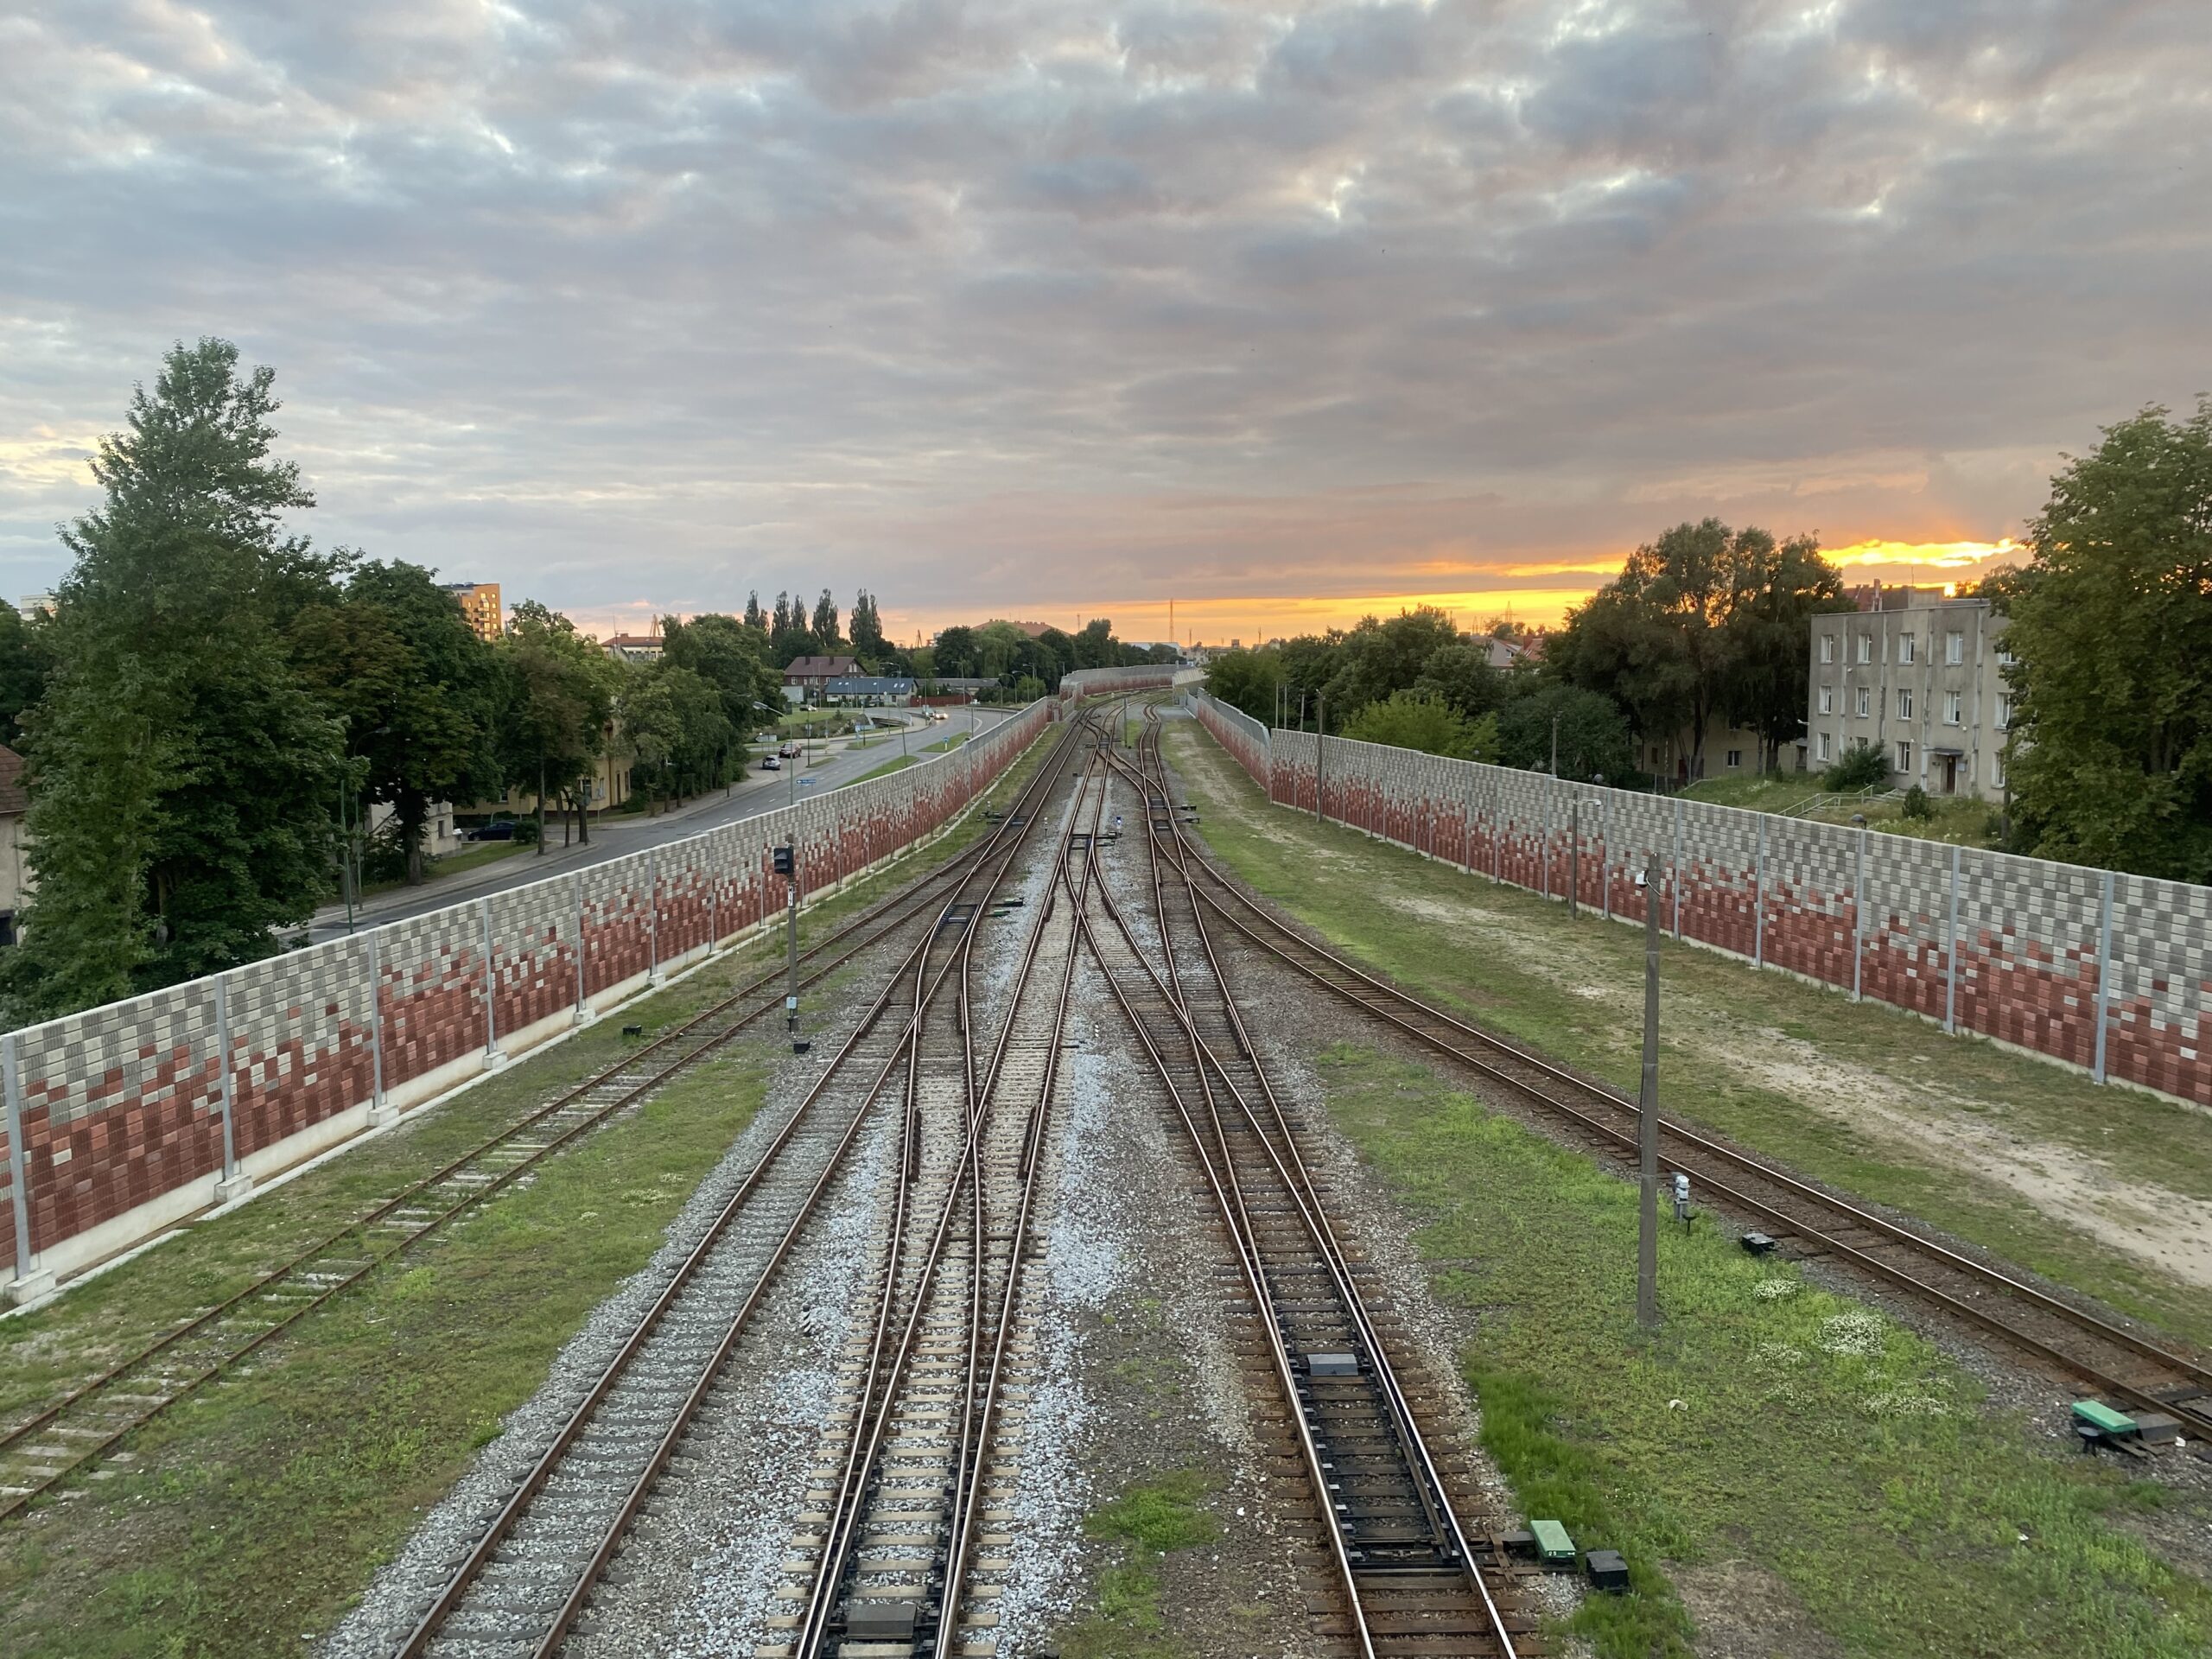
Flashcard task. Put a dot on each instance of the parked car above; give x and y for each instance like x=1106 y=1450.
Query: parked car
x=769 y=763
x=503 y=830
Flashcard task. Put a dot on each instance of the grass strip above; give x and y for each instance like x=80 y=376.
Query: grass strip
x=1870 y=1099
x=1150 y=1519
x=1768 y=1422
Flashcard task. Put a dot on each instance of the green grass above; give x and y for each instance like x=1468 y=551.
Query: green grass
x=343 y=1432
x=1964 y=819
x=454 y=863
x=1768 y=1420
x=1762 y=1058
x=256 y=1513
x=944 y=743
x=1150 y=1519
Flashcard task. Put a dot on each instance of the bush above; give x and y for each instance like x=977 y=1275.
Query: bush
x=1861 y=767
x=1917 y=805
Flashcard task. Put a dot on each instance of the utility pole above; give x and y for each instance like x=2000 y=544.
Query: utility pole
x=786 y=863
x=1647 y=1113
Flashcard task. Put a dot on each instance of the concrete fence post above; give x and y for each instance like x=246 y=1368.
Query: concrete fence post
x=1467 y=829
x=377 y=1111
x=491 y=1055
x=1951 y=951
x=1551 y=790
x=28 y=1282
x=230 y=1185
x=1674 y=871
x=1605 y=859
x=583 y=998
x=1758 y=900
x=652 y=916
x=1859 y=915
x=1496 y=826
x=2104 y=972
x=714 y=893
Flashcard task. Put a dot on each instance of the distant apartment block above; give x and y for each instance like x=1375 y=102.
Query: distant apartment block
x=634 y=647
x=480 y=603
x=1920 y=677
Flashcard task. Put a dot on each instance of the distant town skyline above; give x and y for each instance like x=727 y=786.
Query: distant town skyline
x=1287 y=312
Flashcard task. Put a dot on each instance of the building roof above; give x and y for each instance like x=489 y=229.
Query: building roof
x=14 y=798
x=867 y=685
x=821 y=667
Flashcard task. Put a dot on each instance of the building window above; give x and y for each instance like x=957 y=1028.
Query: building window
x=1955 y=646
x=1905 y=647
x=1827 y=647
x=1735 y=758
x=1997 y=769
x=7 y=928
x=2003 y=711
x=1825 y=755
x=1905 y=702
x=1905 y=756
x=1954 y=709
x=2005 y=659
x=1865 y=701
x=1828 y=699
x=1865 y=647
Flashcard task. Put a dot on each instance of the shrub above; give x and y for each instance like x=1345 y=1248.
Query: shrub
x=1917 y=805
x=1860 y=766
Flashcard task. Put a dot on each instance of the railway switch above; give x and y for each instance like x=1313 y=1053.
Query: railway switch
x=1554 y=1547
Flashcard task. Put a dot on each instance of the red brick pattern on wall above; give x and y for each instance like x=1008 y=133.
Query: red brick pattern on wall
x=2020 y=963
x=121 y=1104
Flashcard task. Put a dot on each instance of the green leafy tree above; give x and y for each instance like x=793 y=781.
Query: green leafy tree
x=954 y=657
x=22 y=671
x=733 y=658
x=825 y=621
x=559 y=691
x=1246 y=680
x=418 y=691
x=2110 y=627
x=868 y=643
x=1862 y=765
x=1767 y=677
x=1594 y=738
x=1377 y=658
x=671 y=718
x=183 y=778
x=754 y=617
x=1408 y=719
x=1459 y=675
x=1095 y=644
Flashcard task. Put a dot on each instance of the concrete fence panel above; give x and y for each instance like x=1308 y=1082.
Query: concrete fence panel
x=2107 y=971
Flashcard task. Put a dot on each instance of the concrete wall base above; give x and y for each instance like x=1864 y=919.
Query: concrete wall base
x=234 y=1189
x=29 y=1287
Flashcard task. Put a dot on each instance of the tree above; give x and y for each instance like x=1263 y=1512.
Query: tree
x=754 y=617
x=1705 y=620
x=1377 y=658
x=1246 y=680
x=672 y=719
x=733 y=660
x=182 y=778
x=416 y=689
x=825 y=620
x=2110 y=628
x=560 y=696
x=1094 y=646
x=1593 y=739
x=1407 y=720
x=22 y=671
x=869 y=643
x=780 y=628
x=954 y=657
x=1767 y=675
x=1459 y=675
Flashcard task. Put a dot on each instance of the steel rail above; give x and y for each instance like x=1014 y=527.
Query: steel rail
x=908 y=902
x=980 y=1409
x=1237 y=1224
x=1298 y=1180
x=449 y=1598
x=888 y=1361
x=1372 y=994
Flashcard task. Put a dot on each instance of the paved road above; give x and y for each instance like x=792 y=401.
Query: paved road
x=615 y=837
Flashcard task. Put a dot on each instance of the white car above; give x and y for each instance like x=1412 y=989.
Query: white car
x=769 y=763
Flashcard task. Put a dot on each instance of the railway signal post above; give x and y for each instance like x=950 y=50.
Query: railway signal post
x=786 y=857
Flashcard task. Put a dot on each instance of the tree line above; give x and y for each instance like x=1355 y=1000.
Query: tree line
x=214 y=703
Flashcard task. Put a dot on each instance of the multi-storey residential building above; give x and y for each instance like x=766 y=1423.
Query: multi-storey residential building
x=480 y=603
x=1920 y=677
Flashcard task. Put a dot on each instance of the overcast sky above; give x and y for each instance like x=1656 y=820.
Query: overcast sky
x=1037 y=310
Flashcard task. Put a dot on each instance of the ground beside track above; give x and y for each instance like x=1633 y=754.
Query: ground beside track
x=250 y=1523
x=1829 y=1483
x=2105 y=1189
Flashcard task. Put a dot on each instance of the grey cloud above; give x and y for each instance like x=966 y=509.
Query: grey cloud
x=655 y=302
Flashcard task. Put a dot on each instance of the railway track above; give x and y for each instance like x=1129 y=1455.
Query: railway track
x=891 y=1540
x=92 y=1421
x=531 y=1572
x=2090 y=1348
x=1411 y=1578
